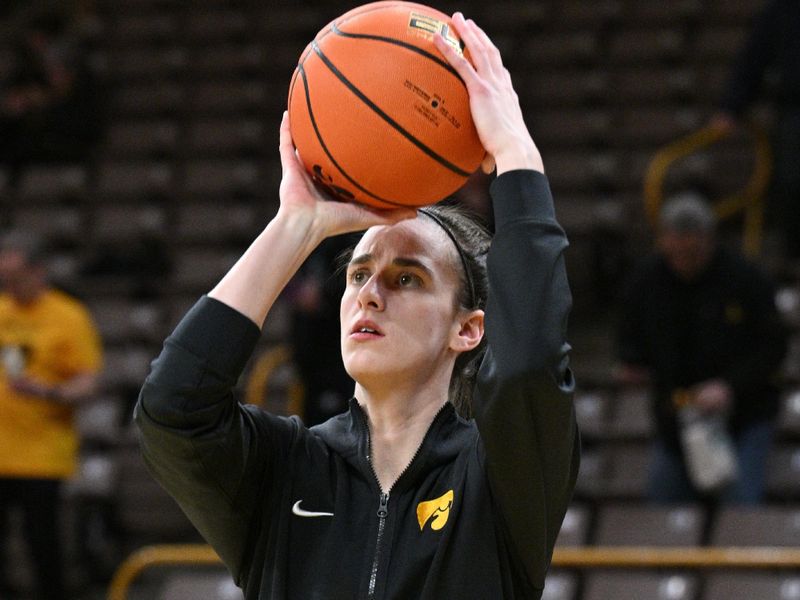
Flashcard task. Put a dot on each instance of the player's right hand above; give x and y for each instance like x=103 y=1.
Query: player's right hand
x=300 y=196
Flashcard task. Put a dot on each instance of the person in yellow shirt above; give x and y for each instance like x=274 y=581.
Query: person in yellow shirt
x=50 y=357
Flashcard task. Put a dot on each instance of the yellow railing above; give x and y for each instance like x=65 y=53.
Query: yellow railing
x=721 y=557
x=260 y=375
x=158 y=556
x=750 y=200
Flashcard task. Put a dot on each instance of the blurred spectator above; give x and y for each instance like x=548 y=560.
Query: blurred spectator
x=49 y=103
x=51 y=355
x=315 y=297
x=699 y=325
x=773 y=45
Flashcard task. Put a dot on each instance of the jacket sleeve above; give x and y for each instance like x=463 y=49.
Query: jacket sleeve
x=767 y=339
x=211 y=454
x=523 y=403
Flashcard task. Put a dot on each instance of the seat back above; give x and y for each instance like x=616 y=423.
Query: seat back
x=640 y=585
x=637 y=525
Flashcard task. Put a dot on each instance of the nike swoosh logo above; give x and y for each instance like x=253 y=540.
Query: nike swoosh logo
x=308 y=513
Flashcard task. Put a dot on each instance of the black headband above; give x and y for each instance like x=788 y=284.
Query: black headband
x=470 y=283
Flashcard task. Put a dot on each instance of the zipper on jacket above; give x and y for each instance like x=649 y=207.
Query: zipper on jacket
x=383 y=511
x=383 y=506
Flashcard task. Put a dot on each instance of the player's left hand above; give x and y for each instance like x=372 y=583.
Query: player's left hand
x=493 y=102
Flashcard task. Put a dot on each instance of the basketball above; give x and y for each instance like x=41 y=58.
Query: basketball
x=377 y=114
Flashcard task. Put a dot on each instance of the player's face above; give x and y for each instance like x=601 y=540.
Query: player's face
x=398 y=312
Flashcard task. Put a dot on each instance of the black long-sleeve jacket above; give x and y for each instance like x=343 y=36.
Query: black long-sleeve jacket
x=297 y=513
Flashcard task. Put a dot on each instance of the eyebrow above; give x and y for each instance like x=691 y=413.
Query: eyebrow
x=400 y=261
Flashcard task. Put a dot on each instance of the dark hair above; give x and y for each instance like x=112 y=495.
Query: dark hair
x=472 y=241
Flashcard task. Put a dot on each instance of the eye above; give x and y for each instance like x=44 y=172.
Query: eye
x=408 y=280
x=358 y=277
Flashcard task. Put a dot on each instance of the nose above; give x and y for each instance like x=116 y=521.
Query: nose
x=370 y=295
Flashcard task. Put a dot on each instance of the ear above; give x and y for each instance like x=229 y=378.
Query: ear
x=468 y=332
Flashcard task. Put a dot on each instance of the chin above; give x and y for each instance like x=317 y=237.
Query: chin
x=365 y=370
x=368 y=367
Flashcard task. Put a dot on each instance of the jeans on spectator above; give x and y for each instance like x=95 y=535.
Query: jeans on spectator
x=669 y=481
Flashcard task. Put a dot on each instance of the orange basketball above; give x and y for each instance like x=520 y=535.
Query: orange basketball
x=377 y=114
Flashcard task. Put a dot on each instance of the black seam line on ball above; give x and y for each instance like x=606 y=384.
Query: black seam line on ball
x=325 y=148
x=292 y=83
x=380 y=38
x=440 y=159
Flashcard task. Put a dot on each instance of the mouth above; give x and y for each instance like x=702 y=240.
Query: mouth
x=364 y=330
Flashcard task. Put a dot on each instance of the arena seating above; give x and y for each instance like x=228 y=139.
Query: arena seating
x=187 y=173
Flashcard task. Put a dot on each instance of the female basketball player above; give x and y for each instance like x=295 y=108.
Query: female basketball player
x=400 y=497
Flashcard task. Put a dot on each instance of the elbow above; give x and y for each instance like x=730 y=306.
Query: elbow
x=546 y=362
x=150 y=405
x=159 y=404
x=552 y=368
x=535 y=375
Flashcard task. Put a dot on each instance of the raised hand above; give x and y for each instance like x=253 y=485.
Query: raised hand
x=494 y=103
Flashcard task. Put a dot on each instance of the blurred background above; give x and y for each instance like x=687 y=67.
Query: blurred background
x=154 y=163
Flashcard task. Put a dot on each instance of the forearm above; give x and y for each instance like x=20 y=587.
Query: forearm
x=518 y=156
x=70 y=392
x=76 y=390
x=258 y=277
x=529 y=296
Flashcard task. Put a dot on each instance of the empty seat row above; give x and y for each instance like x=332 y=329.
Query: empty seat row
x=213 y=224
x=143 y=179
x=632 y=523
x=216 y=96
x=671 y=585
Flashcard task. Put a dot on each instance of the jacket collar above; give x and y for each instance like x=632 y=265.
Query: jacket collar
x=348 y=436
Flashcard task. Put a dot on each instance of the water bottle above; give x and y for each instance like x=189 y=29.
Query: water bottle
x=707 y=447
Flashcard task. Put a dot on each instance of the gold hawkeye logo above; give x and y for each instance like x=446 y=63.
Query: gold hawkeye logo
x=436 y=511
